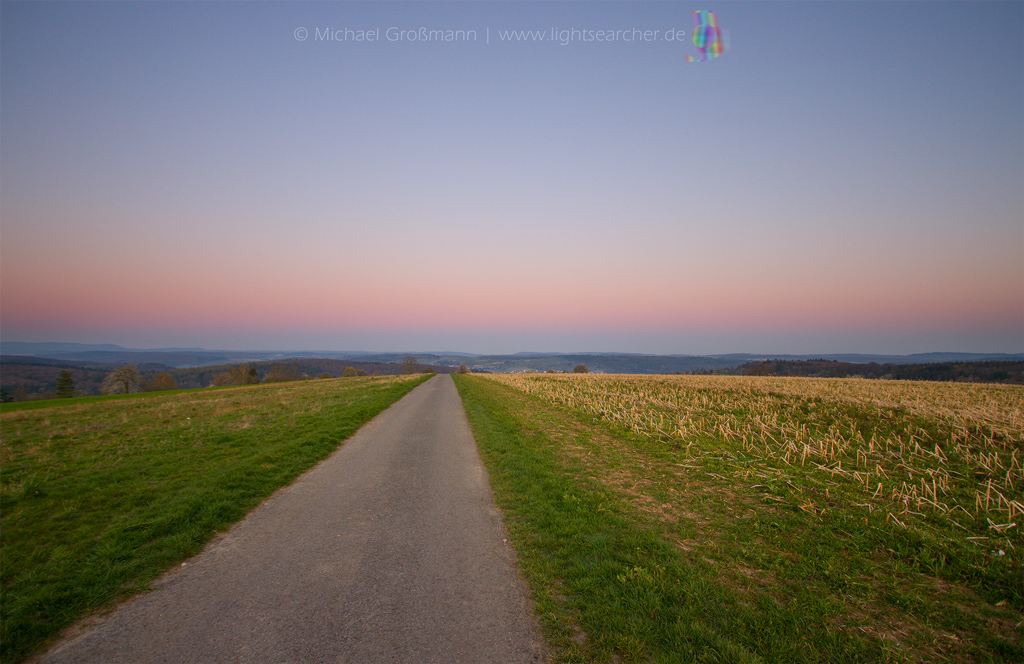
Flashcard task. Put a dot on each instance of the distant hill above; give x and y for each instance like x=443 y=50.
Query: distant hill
x=24 y=378
x=993 y=371
x=666 y=364
x=31 y=369
x=27 y=378
x=604 y=363
x=859 y=358
x=173 y=357
x=41 y=349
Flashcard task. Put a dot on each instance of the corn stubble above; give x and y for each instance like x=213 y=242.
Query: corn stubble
x=950 y=449
x=920 y=482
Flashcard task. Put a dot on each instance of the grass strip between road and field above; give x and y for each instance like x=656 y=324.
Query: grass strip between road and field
x=633 y=556
x=98 y=498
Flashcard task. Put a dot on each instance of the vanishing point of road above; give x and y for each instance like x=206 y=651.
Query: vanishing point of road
x=390 y=550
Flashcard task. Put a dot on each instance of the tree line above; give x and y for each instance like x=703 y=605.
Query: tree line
x=132 y=378
x=990 y=371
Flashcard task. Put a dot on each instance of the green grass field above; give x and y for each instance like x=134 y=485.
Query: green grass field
x=755 y=520
x=100 y=495
x=10 y=407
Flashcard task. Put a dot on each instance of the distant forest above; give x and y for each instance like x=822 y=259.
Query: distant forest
x=31 y=378
x=28 y=378
x=997 y=371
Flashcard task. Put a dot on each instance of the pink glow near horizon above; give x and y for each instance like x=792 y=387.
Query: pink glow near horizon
x=395 y=299
x=254 y=185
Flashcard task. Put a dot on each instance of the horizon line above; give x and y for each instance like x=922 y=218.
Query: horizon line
x=767 y=355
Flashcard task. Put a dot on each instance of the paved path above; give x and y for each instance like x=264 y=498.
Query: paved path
x=391 y=550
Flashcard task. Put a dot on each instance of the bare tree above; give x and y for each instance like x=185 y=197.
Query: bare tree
x=162 y=382
x=410 y=365
x=122 y=380
x=240 y=374
x=463 y=369
x=222 y=379
x=280 y=373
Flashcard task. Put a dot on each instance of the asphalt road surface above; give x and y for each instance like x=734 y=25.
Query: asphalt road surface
x=391 y=550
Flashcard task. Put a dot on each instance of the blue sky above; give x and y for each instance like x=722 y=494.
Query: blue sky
x=847 y=177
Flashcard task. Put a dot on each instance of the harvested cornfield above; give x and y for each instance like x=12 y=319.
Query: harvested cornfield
x=882 y=519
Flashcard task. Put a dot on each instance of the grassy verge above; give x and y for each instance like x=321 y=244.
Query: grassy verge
x=98 y=498
x=639 y=548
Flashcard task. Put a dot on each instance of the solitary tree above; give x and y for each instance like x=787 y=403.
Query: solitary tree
x=222 y=379
x=581 y=368
x=162 y=382
x=122 y=380
x=240 y=374
x=463 y=369
x=410 y=365
x=65 y=385
x=349 y=372
x=280 y=373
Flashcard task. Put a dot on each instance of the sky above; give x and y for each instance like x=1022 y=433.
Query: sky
x=844 y=177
